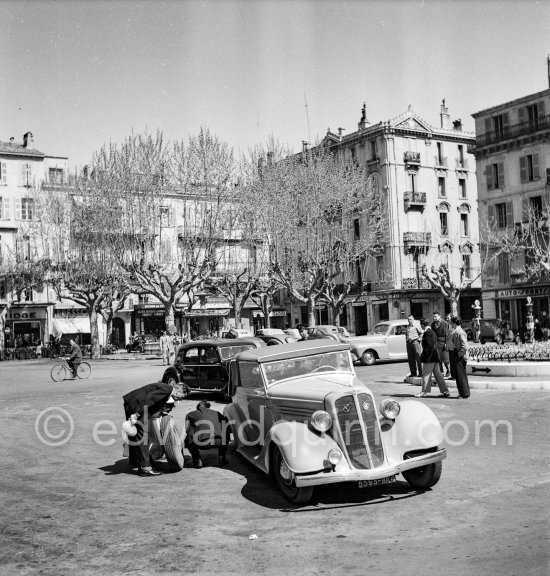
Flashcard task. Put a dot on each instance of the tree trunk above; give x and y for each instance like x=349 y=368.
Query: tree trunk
x=169 y=316
x=94 y=333
x=311 y=311
x=453 y=301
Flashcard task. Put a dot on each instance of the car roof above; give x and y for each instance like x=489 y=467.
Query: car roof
x=295 y=350
x=224 y=342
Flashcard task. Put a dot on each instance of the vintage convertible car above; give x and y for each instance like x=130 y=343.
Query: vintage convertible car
x=299 y=411
x=385 y=342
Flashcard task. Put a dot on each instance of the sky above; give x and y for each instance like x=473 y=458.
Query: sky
x=82 y=73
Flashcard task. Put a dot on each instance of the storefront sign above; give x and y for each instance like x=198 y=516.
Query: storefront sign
x=522 y=292
x=27 y=313
x=357 y=304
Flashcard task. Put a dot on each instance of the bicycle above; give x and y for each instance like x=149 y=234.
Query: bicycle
x=59 y=371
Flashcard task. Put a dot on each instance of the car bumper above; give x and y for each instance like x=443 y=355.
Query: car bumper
x=352 y=475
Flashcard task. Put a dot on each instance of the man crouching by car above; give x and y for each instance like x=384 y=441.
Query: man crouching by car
x=206 y=428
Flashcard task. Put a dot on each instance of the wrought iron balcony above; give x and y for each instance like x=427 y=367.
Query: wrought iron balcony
x=513 y=131
x=462 y=164
x=411 y=157
x=415 y=284
x=414 y=200
x=417 y=241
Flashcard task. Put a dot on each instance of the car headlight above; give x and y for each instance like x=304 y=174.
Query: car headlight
x=390 y=409
x=335 y=456
x=321 y=420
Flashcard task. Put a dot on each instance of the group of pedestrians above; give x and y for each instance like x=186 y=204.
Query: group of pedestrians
x=437 y=351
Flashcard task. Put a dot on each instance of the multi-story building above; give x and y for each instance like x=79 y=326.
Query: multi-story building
x=22 y=168
x=513 y=176
x=427 y=176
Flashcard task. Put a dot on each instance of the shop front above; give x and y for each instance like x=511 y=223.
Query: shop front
x=205 y=320
x=71 y=322
x=25 y=325
x=148 y=319
x=511 y=305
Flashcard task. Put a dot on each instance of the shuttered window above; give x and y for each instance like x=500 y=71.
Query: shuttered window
x=529 y=168
x=3 y=173
x=503 y=268
x=495 y=175
x=4 y=208
x=24 y=209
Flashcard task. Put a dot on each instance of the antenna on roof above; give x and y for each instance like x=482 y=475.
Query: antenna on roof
x=307 y=118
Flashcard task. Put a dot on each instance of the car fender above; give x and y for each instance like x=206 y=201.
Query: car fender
x=416 y=428
x=303 y=449
x=377 y=346
x=171 y=372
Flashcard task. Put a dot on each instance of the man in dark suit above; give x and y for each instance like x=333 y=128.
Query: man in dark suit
x=430 y=362
x=206 y=428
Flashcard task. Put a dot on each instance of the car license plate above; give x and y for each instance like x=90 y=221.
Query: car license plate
x=367 y=483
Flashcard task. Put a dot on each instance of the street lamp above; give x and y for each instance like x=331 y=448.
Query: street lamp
x=530 y=320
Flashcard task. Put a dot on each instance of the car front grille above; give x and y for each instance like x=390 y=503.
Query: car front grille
x=360 y=431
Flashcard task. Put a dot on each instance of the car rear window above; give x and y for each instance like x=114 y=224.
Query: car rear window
x=380 y=329
x=227 y=352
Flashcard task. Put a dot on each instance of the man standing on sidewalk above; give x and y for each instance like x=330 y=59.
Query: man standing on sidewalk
x=430 y=362
x=163 y=341
x=413 y=335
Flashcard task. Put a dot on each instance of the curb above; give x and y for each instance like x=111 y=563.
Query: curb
x=496 y=383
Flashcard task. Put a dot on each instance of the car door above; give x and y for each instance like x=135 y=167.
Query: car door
x=254 y=406
x=188 y=365
x=396 y=343
x=213 y=374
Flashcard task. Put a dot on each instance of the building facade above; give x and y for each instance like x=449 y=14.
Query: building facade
x=513 y=174
x=22 y=169
x=427 y=177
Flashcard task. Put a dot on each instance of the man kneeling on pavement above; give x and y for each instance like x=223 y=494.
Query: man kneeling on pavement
x=205 y=429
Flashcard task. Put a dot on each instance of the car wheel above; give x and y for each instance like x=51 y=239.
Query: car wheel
x=368 y=358
x=285 y=481
x=424 y=477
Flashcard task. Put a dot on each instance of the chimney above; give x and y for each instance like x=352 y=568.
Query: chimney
x=304 y=146
x=457 y=125
x=28 y=140
x=444 y=116
x=340 y=130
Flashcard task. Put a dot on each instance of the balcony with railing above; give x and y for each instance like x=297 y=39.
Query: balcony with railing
x=414 y=200
x=417 y=241
x=415 y=284
x=507 y=132
x=411 y=158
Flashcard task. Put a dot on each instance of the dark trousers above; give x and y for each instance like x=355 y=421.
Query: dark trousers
x=73 y=364
x=461 y=376
x=205 y=444
x=138 y=446
x=413 y=356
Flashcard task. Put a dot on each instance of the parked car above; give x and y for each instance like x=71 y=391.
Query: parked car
x=323 y=331
x=299 y=412
x=274 y=336
x=241 y=333
x=201 y=365
x=386 y=341
x=294 y=332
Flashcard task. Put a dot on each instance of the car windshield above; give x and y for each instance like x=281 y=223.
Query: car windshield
x=294 y=367
x=381 y=328
x=227 y=352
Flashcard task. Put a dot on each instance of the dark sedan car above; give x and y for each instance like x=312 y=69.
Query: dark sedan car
x=202 y=365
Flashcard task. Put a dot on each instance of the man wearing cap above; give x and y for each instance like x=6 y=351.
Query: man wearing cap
x=206 y=428
x=75 y=357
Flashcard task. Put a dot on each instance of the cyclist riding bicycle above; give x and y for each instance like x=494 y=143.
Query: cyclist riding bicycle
x=75 y=357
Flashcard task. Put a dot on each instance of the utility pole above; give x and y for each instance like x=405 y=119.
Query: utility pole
x=307 y=118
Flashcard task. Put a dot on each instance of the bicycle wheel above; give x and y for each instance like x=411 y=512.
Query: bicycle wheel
x=58 y=373
x=84 y=370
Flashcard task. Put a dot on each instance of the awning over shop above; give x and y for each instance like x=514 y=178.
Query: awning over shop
x=70 y=326
x=205 y=312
